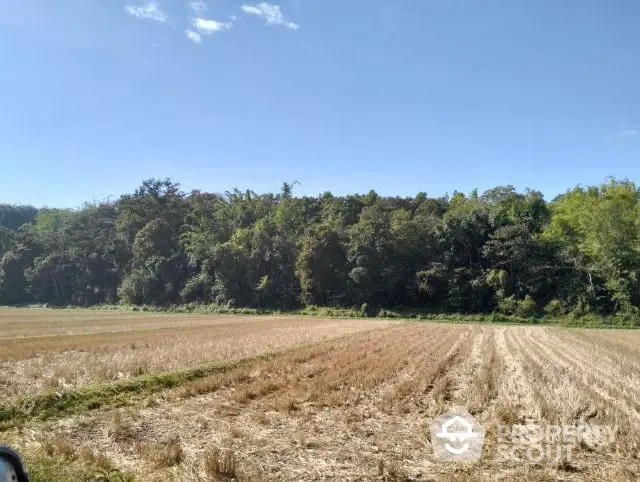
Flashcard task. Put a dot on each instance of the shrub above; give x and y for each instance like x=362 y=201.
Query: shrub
x=388 y=314
x=527 y=307
x=508 y=305
x=367 y=310
x=554 y=308
x=582 y=308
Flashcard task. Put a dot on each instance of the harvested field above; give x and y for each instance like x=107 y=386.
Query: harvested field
x=354 y=402
x=134 y=344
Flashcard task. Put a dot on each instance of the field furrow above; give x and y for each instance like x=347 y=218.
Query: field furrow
x=62 y=362
x=315 y=399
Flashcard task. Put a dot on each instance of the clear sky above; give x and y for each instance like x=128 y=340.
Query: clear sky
x=400 y=96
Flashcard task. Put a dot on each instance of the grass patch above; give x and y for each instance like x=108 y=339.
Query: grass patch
x=165 y=454
x=46 y=468
x=586 y=321
x=53 y=404
x=44 y=406
x=42 y=467
x=220 y=465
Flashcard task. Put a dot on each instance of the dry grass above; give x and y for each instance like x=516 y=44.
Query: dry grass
x=120 y=430
x=166 y=343
x=97 y=459
x=28 y=323
x=164 y=454
x=358 y=407
x=220 y=465
x=59 y=446
x=486 y=378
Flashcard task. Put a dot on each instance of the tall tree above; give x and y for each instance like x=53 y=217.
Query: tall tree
x=322 y=266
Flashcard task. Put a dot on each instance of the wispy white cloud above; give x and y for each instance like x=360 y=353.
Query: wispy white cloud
x=628 y=132
x=150 y=10
x=270 y=13
x=198 y=7
x=195 y=36
x=207 y=27
x=623 y=133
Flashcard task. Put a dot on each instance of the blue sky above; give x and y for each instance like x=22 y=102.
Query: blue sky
x=400 y=96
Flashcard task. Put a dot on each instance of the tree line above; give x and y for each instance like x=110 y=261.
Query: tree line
x=504 y=250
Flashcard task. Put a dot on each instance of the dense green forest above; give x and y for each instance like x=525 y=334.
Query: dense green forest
x=501 y=251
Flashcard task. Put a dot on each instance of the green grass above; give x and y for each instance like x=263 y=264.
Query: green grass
x=588 y=320
x=52 y=404
x=70 y=465
x=42 y=468
x=48 y=405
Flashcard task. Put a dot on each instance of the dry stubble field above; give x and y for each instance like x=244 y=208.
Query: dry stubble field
x=186 y=397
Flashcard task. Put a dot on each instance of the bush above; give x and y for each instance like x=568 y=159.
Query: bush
x=498 y=318
x=508 y=305
x=388 y=314
x=582 y=308
x=527 y=307
x=629 y=319
x=554 y=308
x=367 y=310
